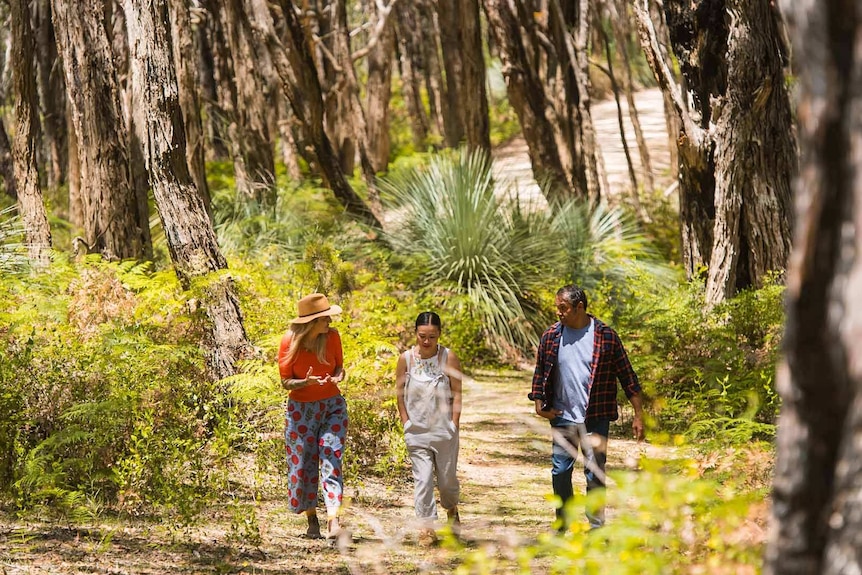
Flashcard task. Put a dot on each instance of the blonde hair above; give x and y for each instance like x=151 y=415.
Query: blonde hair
x=299 y=340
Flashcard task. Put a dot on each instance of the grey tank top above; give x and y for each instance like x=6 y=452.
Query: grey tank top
x=427 y=393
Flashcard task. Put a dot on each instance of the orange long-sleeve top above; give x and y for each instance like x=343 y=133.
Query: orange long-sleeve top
x=298 y=368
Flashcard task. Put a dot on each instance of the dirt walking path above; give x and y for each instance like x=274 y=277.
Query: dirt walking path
x=512 y=160
x=505 y=479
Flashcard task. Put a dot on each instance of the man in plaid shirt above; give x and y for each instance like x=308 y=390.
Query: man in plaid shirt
x=578 y=364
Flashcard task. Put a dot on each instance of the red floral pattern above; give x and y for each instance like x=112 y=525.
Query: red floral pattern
x=315 y=432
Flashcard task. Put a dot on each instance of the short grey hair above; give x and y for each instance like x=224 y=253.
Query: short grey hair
x=573 y=294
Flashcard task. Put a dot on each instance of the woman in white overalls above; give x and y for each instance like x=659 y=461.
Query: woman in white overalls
x=428 y=380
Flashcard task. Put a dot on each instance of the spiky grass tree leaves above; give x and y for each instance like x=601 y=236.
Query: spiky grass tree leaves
x=468 y=235
x=472 y=240
x=604 y=243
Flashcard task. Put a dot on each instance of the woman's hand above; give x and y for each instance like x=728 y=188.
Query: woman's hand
x=291 y=384
x=313 y=379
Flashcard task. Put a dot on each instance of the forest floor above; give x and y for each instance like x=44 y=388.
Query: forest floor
x=504 y=470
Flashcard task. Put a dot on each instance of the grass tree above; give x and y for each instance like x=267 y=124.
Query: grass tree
x=466 y=234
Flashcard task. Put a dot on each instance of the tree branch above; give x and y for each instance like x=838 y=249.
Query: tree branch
x=383 y=12
x=649 y=43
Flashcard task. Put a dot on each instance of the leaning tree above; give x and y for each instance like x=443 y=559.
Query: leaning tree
x=188 y=231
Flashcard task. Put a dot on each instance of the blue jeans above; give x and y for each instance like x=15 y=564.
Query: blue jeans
x=592 y=440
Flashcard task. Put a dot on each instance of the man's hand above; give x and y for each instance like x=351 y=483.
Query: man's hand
x=549 y=413
x=638 y=427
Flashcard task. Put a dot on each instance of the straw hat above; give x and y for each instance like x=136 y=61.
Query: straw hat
x=314 y=306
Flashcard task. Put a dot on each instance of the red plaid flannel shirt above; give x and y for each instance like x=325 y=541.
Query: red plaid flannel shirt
x=610 y=363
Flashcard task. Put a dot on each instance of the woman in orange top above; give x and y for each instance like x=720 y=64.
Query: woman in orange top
x=311 y=365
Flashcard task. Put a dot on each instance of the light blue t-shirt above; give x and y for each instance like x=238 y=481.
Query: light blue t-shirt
x=573 y=362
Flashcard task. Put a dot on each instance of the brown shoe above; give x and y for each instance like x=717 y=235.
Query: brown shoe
x=313 y=531
x=427 y=538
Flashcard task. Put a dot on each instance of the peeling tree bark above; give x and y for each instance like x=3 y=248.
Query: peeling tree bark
x=113 y=222
x=248 y=132
x=34 y=216
x=736 y=148
x=190 y=237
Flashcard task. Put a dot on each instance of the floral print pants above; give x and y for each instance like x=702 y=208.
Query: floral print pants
x=314 y=437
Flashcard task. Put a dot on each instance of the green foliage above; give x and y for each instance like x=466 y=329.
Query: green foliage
x=103 y=380
x=709 y=373
x=602 y=244
x=467 y=240
x=13 y=255
x=676 y=522
x=462 y=235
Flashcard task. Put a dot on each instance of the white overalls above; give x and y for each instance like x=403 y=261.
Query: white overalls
x=430 y=433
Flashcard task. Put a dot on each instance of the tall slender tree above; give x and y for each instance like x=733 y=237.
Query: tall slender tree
x=37 y=232
x=113 y=222
x=189 y=233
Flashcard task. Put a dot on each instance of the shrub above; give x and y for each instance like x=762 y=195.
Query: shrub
x=110 y=401
x=709 y=373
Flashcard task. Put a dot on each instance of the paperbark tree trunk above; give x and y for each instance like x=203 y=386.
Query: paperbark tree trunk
x=450 y=43
x=474 y=104
x=755 y=158
x=816 y=524
x=209 y=36
x=52 y=98
x=379 y=93
x=251 y=145
x=190 y=237
x=34 y=217
x=185 y=60
x=296 y=70
x=734 y=178
x=113 y=223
